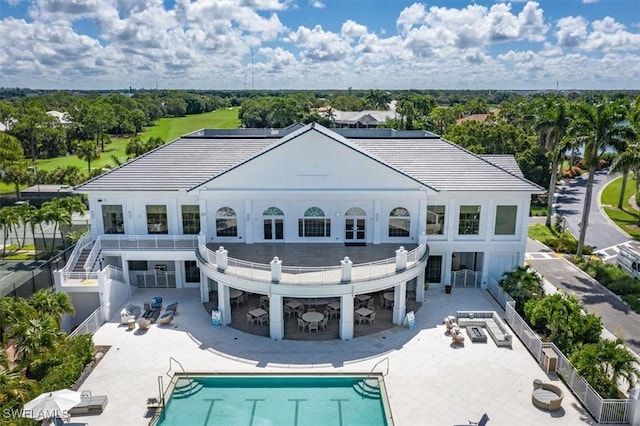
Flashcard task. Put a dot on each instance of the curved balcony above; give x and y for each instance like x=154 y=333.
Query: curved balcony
x=223 y=262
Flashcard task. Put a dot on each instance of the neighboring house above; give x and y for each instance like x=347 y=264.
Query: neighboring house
x=479 y=117
x=275 y=212
x=62 y=117
x=359 y=119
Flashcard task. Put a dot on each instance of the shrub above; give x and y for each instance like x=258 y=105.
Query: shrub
x=72 y=356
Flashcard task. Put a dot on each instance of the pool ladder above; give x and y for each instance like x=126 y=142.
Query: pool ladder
x=185 y=390
x=370 y=386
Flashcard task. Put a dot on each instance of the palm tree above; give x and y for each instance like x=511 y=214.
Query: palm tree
x=14 y=386
x=53 y=304
x=552 y=125
x=599 y=127
x=34 y=338
x=54 y=212
x=606 y=364
x=88 y=151
x=629 y=160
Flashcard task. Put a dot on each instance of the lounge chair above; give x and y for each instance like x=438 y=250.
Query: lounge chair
x=166 y=317
x=173 y=307
x=89 y=404
x=156 y=302
x=144 y=324
x=483 y=421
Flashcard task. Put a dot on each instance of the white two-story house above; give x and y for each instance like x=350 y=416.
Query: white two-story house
x=301 y=212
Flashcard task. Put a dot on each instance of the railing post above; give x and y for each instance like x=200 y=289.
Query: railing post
x=346 y=270
x=222 y=261
x=634 y=415
x=276 y=270
x=401 y=259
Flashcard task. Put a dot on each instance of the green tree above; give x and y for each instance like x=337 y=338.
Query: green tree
x=600 y=127
x=629 y=158
x=522 y=284
x=35 y=338
x=10 y=150
x=552 y=124
x=605 y=364
x=51 y=304
x=88 y=152
x=377 y=100
x=17 y=175
x=563 y=320
x=55 y=213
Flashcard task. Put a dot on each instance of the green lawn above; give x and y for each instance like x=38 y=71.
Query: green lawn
x=166 y=128
x=627 y=217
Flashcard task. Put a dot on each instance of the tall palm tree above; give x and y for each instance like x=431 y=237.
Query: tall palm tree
x=629 y=160
x=600 y=127
x=552 y=125
x=34 y=338
x=55 y=213
x=88 y=151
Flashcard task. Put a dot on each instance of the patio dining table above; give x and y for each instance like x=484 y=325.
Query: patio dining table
x=257 y=313
x=364 y=312
x=312 y=316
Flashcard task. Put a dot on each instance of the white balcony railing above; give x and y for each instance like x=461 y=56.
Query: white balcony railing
x=321 y=275
x=81 y=244
x=148 y=242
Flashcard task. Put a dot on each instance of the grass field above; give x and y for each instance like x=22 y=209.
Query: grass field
x=166 y=128
x=627 y=217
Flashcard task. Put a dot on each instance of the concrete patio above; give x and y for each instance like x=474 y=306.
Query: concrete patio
x=430 y=381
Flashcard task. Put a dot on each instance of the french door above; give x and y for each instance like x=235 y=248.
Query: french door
x=355 y=230
x=273 y=228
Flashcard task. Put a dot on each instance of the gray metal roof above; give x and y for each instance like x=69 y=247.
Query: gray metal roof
x=191 y=161
x=507 y=162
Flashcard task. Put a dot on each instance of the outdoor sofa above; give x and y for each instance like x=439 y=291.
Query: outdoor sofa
x=497 y=329
x=130 y=312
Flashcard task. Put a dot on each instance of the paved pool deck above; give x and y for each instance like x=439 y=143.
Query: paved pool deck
x=430 y=380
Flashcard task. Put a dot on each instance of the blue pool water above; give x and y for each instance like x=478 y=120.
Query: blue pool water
x=274 y=400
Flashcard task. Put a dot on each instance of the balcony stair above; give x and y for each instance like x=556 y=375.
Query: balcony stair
x=79 y=266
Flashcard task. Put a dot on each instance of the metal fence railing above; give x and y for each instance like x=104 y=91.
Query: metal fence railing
x=90 y=325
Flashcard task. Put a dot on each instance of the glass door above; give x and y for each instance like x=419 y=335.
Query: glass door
x=273 y=229
x=355 y=229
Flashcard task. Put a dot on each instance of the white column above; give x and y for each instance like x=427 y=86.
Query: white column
x=420 y=286
x=377 y=222
x=248 y=225
x=203 y=218
x=399 y=303
x=346 y=317
x=180 y=280
x=422 y=216
x=172 y=217
x=224 y=303
x=204 y=288
x=276 y=319
x=634 y=396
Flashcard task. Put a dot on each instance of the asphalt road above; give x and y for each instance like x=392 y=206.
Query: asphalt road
x=603 y=235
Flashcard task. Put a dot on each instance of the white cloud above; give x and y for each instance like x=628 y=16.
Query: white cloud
x=351 y=29
x=317 y=4
x=319 y=46
x=572 y=31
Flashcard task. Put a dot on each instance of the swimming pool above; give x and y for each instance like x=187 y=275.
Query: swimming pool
x=261 y=400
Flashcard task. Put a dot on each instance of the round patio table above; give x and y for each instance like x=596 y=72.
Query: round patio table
x=388 y=296
x=233 y=293
x=313 y=316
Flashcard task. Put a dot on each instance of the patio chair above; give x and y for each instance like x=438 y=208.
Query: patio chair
x=371 y=318
x=313 y=326
x=359 y=318
x=482 y=422
x=166 y=318
x=264 y=319
x=144 y=324
x=288 y=310
x=370 y=304
x=250 y=319
x=302 y=324
x=324 y=322
x=156 y=302
x=300 y=311
x=388 y=304
x=173 y=307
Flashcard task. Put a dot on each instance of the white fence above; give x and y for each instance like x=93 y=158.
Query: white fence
x=609 y=411
x=466 y=278
x=90 y=325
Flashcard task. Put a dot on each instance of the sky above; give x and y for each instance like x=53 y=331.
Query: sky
x=320 y=44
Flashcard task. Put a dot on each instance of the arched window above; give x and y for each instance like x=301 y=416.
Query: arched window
x=355 y=211
x=399 y=222
x=273 y=224
x=273 y=211
x=314 y=224
x=226 y=222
